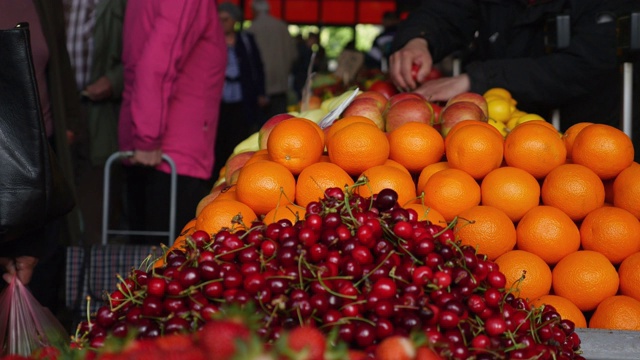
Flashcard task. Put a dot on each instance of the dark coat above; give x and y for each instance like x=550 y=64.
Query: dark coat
x=252 y=78
x=509 y=51
x=65 y=103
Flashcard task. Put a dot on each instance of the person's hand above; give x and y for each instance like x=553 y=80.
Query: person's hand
x=147 y=158
x=401 y=63
x=445 y=88
x=22 y=267
x=101 y=89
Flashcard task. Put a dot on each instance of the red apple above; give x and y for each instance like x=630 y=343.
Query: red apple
x=384 y=87
x=408 y=110
x=381 y=99
x=265 y=130
x=459 y=111
x=235 y=163
x=367 y=107
x=403 y=96
x=471 y=97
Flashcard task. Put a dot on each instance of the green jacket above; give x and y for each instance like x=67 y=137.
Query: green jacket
x=65 y=105
x=102 y=116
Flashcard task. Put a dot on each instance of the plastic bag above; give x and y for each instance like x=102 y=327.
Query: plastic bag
x=25 y=325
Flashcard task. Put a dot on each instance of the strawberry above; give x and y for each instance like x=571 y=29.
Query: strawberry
x=397 y=348
x=219 y=338
x=425 y=353
x=308 y=340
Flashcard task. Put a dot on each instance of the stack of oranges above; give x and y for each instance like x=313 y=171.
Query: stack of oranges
x=558 y=212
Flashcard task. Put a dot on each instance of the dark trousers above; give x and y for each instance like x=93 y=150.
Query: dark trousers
x=277 y=105
x=148 y=201
x=232 y=129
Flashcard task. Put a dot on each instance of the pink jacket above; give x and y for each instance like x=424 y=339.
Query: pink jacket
x=174 y=57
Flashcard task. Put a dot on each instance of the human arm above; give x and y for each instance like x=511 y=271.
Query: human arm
x=551 y=79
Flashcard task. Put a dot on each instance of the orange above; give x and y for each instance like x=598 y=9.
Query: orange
x=604 y=149
x=464 y=123
x=344 y=122
x=450 y=192
x=385 y=176
x=564 y=307
x=205 y=201
x=296 y=143
x=629 y=274
x=180 y=242
x=396 y=164
x=429 y=170
x=586 y=278
x=227 y=193
x=291 y=212
x=569 y=136
x=528 y=276
x=486 y=228
x=316 y=178
x=357 y=147
x=511 y=190
x=612 y=231
x=626 y=189
x=415 y=145
x=537 y=120
x=221 y=214
x=475 y=150
x=264 y=185
x=534 y=148
x=427 y=214
x=262 y=154
x=574 y=189
x=548 y=232
x=617 y=313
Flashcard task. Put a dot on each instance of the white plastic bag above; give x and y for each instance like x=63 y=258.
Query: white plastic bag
x=25 y=325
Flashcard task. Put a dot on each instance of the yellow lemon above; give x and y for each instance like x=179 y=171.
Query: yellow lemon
x=500 y=126
x=529 y=117
x=501 y=92
x=499 y=109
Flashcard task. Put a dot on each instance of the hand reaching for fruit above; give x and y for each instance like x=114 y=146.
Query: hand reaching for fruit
x=445 y=88
x=402 y=62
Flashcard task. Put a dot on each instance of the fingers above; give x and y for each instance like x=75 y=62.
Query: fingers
x=10 y=268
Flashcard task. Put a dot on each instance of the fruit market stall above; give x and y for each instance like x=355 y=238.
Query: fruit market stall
x=390 y=227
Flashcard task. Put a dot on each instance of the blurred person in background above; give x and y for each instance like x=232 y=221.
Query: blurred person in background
x=243 y=94
x=503 y=45
x=278 y=51
x=94 y=42
x=174 y=59
x=320 y=62
x=378 y=56
x=61 y=114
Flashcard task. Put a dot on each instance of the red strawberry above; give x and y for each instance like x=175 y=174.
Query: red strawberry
x=396 y=347
x=308 y=339
x=218 y=338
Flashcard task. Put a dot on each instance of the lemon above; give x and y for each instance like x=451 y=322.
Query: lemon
x=529 y=117
x=497 y=91
x=499 y=109
x=500 y=126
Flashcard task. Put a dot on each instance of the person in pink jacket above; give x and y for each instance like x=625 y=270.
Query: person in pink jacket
x=174 y=59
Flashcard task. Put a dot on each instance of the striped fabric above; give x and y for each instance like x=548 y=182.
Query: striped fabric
x=95 y=276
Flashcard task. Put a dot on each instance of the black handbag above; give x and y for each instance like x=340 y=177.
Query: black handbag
x=33 y=190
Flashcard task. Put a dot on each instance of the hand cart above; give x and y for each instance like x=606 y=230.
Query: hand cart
x=92 y=270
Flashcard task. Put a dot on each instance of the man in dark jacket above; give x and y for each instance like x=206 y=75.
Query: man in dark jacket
x=509 y=44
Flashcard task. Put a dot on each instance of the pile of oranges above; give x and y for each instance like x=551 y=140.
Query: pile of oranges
x=558 y=212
